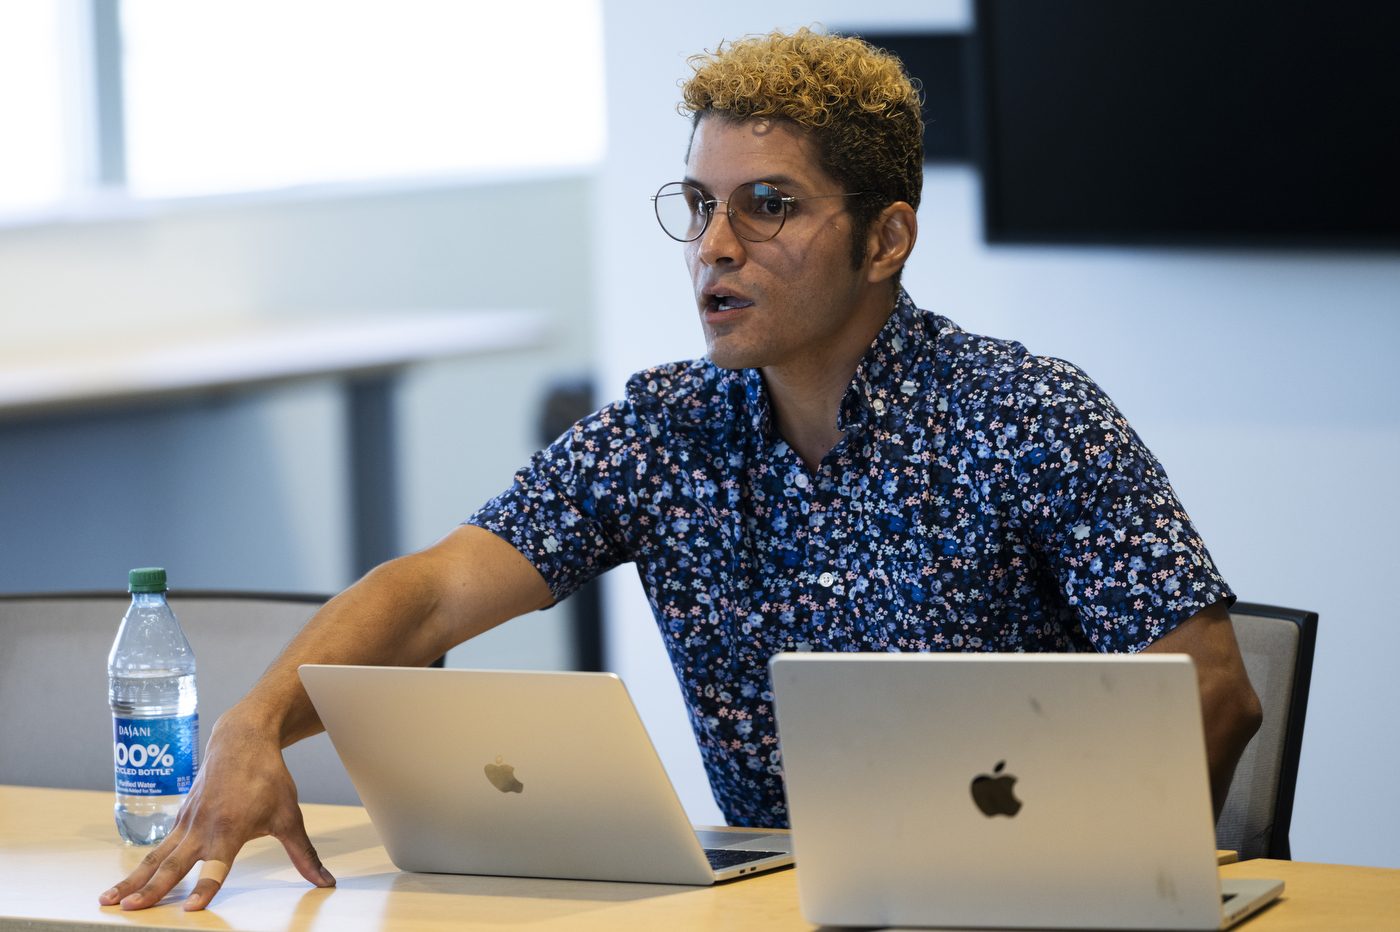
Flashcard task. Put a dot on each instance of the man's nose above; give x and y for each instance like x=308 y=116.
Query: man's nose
x=719 y=245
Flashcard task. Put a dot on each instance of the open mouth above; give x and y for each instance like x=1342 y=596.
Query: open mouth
x=725 y=302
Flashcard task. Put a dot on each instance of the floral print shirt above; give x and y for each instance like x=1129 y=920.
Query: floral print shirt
x=983 y=499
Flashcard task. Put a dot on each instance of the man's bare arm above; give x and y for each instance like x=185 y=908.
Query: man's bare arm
x=1229 y=706
x=407 y=612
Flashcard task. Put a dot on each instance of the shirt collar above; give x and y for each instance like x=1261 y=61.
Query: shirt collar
x=885 y=379
x=756 y=396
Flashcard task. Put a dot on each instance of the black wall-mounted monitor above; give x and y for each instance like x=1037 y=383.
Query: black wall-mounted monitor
x=939 y=62
x=1194 y=122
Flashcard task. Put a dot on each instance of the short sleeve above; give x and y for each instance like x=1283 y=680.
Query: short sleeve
x=1108 y=523
x=552 y=512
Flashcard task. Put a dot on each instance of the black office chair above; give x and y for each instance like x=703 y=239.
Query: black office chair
x=56 y=728
x=1277 y=645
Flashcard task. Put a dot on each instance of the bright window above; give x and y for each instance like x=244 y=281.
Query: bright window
x=260 y=94
x=32 y=165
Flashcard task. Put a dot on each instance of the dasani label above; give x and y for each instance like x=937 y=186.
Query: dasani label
x=156 y=756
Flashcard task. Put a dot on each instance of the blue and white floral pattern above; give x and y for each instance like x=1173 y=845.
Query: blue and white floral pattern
x=983 y=499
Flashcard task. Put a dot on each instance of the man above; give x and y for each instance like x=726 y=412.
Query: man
x=842 y=472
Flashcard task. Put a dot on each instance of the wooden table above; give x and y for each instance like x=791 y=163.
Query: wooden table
x=59 y=850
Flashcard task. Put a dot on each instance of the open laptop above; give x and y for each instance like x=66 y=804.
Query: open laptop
x=520 y=774
x=1002 y=790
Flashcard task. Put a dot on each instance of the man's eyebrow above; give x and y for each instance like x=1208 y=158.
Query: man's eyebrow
x=781 y=181
x=777 y=181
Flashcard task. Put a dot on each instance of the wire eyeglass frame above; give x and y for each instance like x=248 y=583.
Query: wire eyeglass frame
x=756 y=193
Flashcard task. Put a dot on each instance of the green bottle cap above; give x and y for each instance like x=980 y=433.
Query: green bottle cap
x=149 y=579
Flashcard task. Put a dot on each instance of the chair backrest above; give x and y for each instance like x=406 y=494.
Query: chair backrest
x=55 y=725
x=1277 y=645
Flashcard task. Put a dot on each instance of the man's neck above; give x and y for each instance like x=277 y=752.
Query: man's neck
x=806 y=393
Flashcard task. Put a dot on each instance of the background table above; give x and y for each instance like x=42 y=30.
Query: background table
x=59 y=850
x=144 y=366
x=104 y=374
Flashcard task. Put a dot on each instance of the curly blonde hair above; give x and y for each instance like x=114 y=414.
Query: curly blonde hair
x=857 y=101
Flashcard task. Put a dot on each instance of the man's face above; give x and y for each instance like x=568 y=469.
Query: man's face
x=771 y=303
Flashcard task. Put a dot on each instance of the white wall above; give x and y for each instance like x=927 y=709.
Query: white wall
x=1263 y=381
x=248 y=489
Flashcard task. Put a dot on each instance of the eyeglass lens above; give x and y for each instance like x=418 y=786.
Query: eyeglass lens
x=756 y=211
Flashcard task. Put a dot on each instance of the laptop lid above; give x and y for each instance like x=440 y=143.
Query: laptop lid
x=507 y=773
x=998 y=790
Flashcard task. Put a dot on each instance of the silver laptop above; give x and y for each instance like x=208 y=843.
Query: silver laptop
x=520 y=774
x=1002 y=790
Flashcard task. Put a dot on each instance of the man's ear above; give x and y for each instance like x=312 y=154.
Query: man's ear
x=891 y=239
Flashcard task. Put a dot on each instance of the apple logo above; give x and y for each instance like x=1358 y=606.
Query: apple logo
x=995 y=795
x=502 y=777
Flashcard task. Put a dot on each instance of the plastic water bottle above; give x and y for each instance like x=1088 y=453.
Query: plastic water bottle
x=155 y=725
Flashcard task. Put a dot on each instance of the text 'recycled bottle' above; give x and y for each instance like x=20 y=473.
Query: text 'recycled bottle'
x=155 y=724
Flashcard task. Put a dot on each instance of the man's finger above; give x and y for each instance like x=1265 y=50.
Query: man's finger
x=303 y=854
x=211 y=877
x=170 y=872
x=144 y=871
x=213 y=869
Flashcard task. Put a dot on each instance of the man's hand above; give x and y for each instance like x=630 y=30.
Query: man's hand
x=406 y=612
x=243 y=791
x=1229 y=706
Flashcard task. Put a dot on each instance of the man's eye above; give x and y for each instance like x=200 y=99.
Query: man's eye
x=773 y=206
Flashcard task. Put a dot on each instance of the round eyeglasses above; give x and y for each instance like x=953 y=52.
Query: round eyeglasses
x=756 y=211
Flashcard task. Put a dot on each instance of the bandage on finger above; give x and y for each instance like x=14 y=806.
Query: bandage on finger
x=213 y=870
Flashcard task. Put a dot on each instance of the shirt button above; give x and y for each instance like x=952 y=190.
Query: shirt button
x=826 y=579
x=801 y=480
